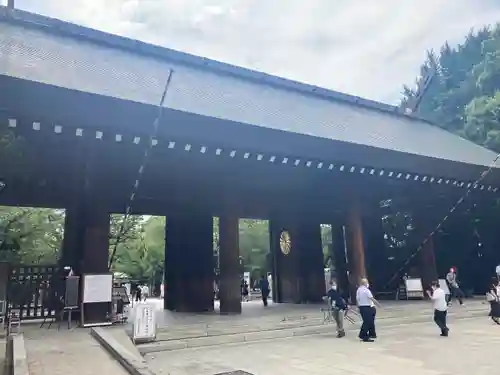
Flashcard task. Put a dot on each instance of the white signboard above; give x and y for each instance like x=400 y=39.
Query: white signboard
x=443 y=285
x=414 y=288
x=144 y=323
x=414 y=285
x=97 y=288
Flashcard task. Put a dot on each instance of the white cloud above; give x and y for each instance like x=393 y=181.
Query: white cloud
x=361 y=47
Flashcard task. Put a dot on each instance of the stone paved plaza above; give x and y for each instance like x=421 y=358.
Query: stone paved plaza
x=408 y=343
x=74 y=352
x=410 y=349
x=2 y=355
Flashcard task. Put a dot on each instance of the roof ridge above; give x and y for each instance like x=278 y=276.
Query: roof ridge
x=135 y=46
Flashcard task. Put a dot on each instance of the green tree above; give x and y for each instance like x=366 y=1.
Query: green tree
x=463 y=96
x=482 y=121
x=254 y=246
x=30 y=236
x=140 y=248
x=124 y=229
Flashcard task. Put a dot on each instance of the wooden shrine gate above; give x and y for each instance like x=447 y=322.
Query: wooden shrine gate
x=30 y=290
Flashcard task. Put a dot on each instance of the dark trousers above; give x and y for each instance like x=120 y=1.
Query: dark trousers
x=440 y=320
x=368 y=326
x=265 y=296
x=457 y=293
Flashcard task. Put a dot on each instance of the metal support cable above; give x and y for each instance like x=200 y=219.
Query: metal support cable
x=445 y=218
x=142 y=167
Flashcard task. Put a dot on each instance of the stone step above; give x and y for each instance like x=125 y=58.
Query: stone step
x=277 y=333
x=264 y=324
x=292 y=331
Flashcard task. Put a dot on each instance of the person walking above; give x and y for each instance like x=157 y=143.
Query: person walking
x=440 y=305
x=138 y=293
x=145 y=292
x=366 y=304
x=455 y=291
x=493 y=298
x=338 y=306
x=264 y=290
x=245 y=292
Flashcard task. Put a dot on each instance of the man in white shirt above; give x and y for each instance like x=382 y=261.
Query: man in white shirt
x=438 y=298
x=366 y=304
x=145 y=292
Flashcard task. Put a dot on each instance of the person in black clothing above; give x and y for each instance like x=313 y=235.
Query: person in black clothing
x=138 y=293
x=245 y=291
x=264 y=289
x=339 y=306
x=493 y=298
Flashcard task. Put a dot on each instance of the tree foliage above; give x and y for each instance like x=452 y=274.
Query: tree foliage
x=463 y=95
x=140 y=251
x=32 y=236
x=254 y=247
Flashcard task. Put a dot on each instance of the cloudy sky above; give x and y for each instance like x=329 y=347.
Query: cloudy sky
x=362 y=47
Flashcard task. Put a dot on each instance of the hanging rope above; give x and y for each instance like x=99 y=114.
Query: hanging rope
x=142 y=167
x=445 y=218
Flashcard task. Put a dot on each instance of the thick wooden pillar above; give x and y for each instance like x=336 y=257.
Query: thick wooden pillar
x=86 y=239
x=298 y=260
x=172 y=266
x=355 y=247
x=96 y=241
x=311 y=262
x=285 y=278
x=72 y=248
x=86 y=249
x=87 y=222
x=340 y=258
x=189 y=268
x=229 y=265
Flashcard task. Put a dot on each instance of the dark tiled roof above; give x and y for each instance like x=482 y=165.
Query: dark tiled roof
x=49 y=51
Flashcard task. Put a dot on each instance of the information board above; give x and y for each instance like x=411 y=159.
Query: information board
x=414 y=288
x=414 y=285
x=97 y=288
x=144 y=323
x=443 y=285
x=71 y=292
